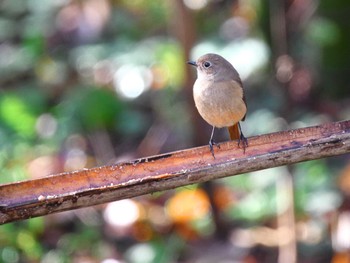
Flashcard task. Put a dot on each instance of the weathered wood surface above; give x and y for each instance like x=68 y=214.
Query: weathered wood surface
x=67 y=191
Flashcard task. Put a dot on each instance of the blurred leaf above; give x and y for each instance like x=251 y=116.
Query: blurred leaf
x=131 y=122
x=29 y=244
x=324 y=32
x=19 y=110
x=156 y=12
x=172 y=58
x=36 y=225
x=34 y=44
x=14 y=170
x=168 y=250
x=8 y=235
x=255 y=206
x=94 y=108
x=86 y=240
x=99 y=109
x=313 y=175
x=313 y=179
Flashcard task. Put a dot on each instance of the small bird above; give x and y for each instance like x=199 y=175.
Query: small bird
x=219 y=97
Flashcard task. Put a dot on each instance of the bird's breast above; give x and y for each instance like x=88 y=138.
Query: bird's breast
x=219 y=103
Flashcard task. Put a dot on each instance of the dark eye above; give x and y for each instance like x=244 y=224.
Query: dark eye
x=207 y=64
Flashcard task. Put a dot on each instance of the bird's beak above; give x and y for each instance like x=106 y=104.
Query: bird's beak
x=193 y=63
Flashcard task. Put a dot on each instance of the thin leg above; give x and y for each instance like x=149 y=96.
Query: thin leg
x=211 y=142
x=242 y=139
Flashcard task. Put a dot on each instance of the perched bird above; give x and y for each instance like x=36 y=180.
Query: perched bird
x=219 y=97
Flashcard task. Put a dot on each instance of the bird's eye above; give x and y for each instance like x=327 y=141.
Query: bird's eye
x=207 y=64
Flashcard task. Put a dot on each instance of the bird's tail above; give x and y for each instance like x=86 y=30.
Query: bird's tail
x=234 y=132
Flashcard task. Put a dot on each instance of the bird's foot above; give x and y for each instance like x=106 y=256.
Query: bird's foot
x=244 y=141
x=211 y=143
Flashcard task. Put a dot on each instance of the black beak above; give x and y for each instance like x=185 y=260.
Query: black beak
x=193 y=63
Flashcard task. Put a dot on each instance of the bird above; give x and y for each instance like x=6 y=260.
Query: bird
x=219 y=97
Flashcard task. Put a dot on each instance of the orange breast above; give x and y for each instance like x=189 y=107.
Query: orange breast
x=220 y=104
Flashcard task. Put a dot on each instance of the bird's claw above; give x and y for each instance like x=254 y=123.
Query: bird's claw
x=211 y=143
x=244 y=141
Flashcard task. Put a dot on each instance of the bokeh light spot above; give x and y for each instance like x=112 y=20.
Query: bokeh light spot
x=141 y=253
x=246 y=56
x=196 y=4
x=188 y=205
x=131 y=81
x=46 y=125
x=121 y=213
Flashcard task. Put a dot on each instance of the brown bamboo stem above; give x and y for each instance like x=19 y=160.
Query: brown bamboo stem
x=72 y=190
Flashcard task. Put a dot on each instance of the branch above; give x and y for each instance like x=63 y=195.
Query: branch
x=67 y=191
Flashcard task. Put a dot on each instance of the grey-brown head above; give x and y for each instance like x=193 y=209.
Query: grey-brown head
x=213 y=66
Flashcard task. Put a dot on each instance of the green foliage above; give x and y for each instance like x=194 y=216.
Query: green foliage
x=25 y=240
x=19 y=110
x=96 y=108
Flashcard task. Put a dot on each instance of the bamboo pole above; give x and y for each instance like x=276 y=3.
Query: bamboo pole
x=72 y=190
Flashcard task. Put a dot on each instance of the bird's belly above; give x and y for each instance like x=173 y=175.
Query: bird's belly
x=220 y=108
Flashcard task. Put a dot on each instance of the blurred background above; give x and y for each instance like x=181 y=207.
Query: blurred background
x=96 y=82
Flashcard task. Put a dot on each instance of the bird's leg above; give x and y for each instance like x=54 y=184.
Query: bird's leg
x=211 y=142
x=242 y=139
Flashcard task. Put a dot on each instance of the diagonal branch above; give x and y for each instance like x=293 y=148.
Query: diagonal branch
x=67 y=191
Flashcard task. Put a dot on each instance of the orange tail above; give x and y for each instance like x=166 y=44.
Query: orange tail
x=234 y=132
